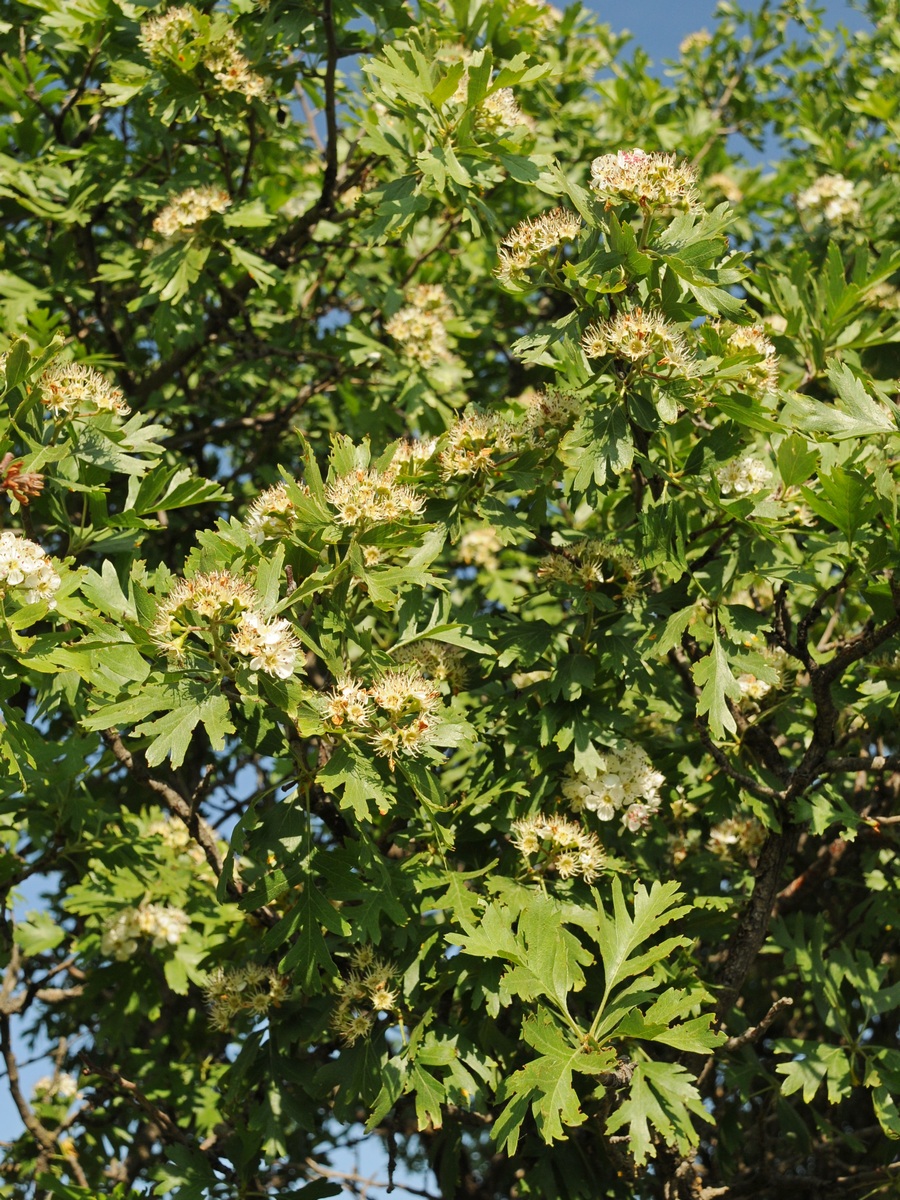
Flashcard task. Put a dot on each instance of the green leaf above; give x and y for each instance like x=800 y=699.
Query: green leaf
x=852 y=415
x=813 y=1064
x=857 y=404
x=796 y=462
x=547 y=1083
x=170 y=734
x=447 y=86
x=429 y=1095
x=661 y=1097
x=552 y=957
x=37 y=933
x=847 y=500
x=18 y=358
x=716 y=681
x=608 y=452
x=658 y=1024
x=362 y=785
x=619 y=935
x=307 y=956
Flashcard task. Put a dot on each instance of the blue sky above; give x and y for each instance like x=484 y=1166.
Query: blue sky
x=659 y=25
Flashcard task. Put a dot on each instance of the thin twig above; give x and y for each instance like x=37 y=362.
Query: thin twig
x=756 y=1031
x=747 y=782
x=350 y=1179
x=879 y=762
x=167 y=1125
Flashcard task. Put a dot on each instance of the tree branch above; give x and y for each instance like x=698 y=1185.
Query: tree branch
x=167 y=1125
x=329 y=178
x=745 y=943
x=38 y=1131
x=878 y=762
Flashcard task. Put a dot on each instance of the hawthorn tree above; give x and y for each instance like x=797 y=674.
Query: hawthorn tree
x=449 y=601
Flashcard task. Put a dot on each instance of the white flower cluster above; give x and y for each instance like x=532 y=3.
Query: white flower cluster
x=400 y=710
x=499 y=113
x=174 y=835
x=232 y=69
x=759 y=376
x=61 y=1086
x=72 y=389
x=166 y=37
x=627 y=784
x=829 y=199
x=581 y=565
x=372 y=498
x=252 y=989
x=364 y=994
x=480 y=547
x=270 y=514
x=532 y=241
x=650 y=180
x=744 y=834
x=162 y=925
x=413 y=453
x=562 y=846
x=435 y=660
x=752 y=686
x=421 y=325
x=743 y=476
x=550 y=409
x=207 y=607
x=189 y=208
x=695 y=42
x=639 y=335
x=469 y=445
x=25 y=567
x=269 y=644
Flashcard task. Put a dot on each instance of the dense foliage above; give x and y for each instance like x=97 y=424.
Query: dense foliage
x=450 y=623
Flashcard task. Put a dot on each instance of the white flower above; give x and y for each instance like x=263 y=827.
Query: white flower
x=533 y=238
x=248 y=989
x=57 y=1087
x=270 y=514
x=626 y=783
x=469 y=445
x=639 y=335
x=191 y=207
x=70 y=389
x=759 y=376
x=270 y=645
x=364 y=993
x=372 y=498
x=421 y=325
x=650 y=180
x=162 y=925
x=752 y=687
x=829 y=199
x=499 y=113
x=165 y=36
x=480 y=547
x=743 y=476
x=565 y=847
x=25 y=567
